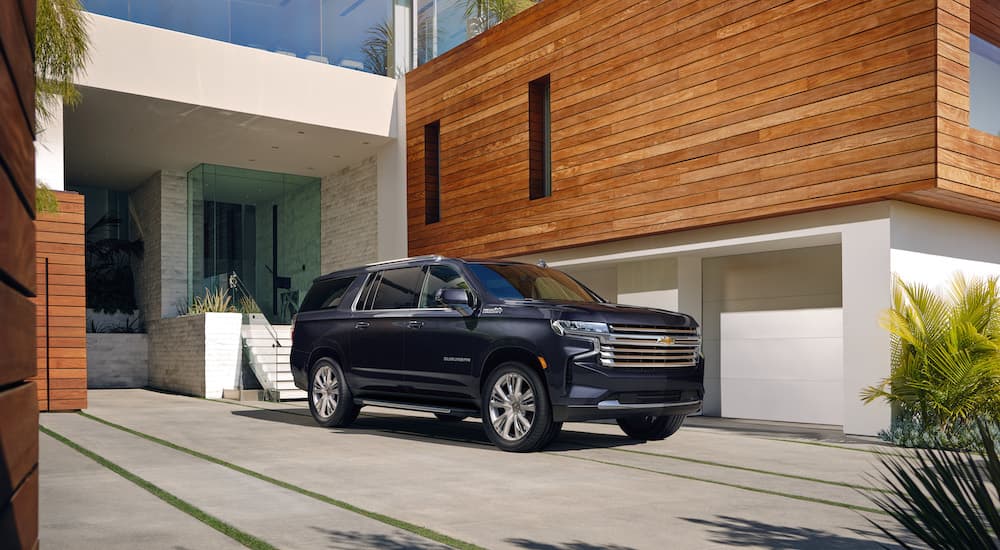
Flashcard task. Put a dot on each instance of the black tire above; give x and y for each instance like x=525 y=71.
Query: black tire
x=541 y=429
x=651 y=428
x=443 y=417
x=343 y=411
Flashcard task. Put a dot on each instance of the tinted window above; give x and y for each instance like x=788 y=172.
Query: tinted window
x=519 y=282
x=398 y=288
x=326 y=294
x=438 y=277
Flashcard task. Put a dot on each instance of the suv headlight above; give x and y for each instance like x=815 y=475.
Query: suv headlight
x=579 y=328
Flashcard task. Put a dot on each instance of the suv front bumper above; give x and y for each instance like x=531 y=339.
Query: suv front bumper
x=595 y=392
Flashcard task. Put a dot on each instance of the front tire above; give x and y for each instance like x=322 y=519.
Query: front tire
x=651 y=428
x=516 y=412
x=330 y=400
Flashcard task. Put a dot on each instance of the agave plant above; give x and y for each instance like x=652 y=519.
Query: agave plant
x=945 y=499
x=945 y=352
x=249 y=305
x=214 y=301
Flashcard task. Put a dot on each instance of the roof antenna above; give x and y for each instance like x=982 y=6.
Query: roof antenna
x=542 y=264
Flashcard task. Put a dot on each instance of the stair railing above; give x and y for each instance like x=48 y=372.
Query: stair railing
x=254 y=316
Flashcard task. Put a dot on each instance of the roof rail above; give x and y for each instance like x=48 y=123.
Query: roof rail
x=434 y=257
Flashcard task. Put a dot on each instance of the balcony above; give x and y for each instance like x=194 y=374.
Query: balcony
x=356 y=34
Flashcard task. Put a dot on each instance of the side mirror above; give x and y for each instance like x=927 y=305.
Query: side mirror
x=458 y=299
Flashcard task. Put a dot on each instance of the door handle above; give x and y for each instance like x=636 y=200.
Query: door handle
x=415 y=324
x=362 y=324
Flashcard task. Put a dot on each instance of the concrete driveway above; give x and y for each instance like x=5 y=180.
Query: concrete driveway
x=269 y=476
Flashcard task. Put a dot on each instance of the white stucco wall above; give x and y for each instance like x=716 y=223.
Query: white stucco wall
x=149 y=61
x=50 y=154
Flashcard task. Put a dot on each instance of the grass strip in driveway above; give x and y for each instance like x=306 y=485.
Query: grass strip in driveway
x=733 y=485
x=242 y=537
x=831 y=445
x=755 y=470
x=391 y=521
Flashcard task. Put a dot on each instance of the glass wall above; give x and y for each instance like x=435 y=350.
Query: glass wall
x=263 y=226
x=984 y=86
x=356 y=34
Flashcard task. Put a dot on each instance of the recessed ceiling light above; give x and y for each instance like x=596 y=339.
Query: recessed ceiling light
x=301 y=132
x=366 y=143
x=252 y=160
x=309 y=168
x=336 y=156
x=275 y=147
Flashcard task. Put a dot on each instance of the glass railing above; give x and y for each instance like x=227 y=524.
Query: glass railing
x=444 y=24
x=984 y=86
x=355 y=34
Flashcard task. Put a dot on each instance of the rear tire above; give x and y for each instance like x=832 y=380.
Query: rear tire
x=444 y=417
x=651 y=428
x=330 y=400
x=516 y=412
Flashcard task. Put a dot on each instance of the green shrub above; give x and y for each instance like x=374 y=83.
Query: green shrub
x=45 y=199
x=249 y=305
x=960 y=436
x=945 y=354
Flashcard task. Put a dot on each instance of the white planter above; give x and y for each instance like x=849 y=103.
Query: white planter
x=196 y=354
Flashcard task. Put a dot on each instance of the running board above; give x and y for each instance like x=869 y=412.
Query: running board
x=415 y=407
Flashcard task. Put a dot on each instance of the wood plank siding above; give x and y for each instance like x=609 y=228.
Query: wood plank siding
x=968 y=166
x=61 y=337
x=18 y=406
x=670 y=115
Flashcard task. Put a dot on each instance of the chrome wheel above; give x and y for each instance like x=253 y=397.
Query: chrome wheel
x=512 y=406
x=325 y=391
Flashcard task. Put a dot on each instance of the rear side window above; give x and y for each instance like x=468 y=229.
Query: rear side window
x=326 y=294
x=395 y=289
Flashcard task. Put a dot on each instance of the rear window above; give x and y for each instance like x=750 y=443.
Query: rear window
x=327 y=294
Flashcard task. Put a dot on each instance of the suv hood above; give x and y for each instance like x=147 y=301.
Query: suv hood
x=617 y=314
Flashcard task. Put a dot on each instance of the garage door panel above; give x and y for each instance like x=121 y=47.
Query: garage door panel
x=782 y=365
x=783 y=400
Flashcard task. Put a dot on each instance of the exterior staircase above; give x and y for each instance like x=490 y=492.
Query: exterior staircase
x=269 y=360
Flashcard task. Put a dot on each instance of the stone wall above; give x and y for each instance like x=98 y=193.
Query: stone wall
x=196 y=354
x=177 y=354
x=117 y=360
x=349 y=219
x=159 y=218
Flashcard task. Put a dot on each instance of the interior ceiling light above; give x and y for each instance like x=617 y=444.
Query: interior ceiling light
x=275 y=147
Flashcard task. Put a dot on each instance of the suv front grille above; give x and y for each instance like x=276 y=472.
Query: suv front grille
x=634 y=346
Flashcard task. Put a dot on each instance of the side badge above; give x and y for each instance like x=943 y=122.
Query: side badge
x=492 y=310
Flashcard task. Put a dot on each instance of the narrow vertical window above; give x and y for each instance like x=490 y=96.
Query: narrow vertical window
x=539 y=139
x=432 y=173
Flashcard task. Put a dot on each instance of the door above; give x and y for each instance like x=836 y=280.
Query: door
x=441 y=344
x=384 y=309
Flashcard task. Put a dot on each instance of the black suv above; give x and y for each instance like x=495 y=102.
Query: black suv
x=524 y=347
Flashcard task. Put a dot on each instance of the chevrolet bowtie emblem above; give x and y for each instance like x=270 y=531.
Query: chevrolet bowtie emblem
x=666 y=341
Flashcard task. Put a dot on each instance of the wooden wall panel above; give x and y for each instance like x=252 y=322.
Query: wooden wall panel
x=968 y=160
x=669 y=115
x=18 y=406
x=61 y=306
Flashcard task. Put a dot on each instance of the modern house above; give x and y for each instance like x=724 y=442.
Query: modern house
x=764 y=165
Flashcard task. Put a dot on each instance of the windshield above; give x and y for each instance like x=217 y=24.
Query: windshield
x=521 y=282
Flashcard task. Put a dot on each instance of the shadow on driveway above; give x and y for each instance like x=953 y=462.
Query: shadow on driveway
x=733 y=531
x=432 y=430
x=349 y=540
x=575 y=545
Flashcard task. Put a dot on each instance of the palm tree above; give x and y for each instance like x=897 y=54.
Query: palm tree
x=378 y=48
x=61 y=45
x=945 y=352
x=486 y=14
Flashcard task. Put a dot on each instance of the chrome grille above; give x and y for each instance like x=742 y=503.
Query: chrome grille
x=634 y=346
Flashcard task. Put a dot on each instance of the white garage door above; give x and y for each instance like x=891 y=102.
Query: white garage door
x=773 y=326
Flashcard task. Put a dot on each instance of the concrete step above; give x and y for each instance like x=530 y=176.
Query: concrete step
x=286 y=385
x=262 y=342
x=286 y=395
